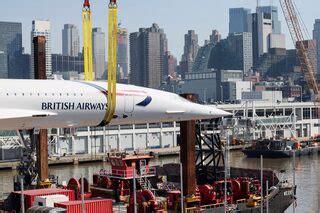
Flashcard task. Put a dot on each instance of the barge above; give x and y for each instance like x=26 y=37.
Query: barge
x=281 y=149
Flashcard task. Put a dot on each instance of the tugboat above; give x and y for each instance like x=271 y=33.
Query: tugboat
x=281 y=148
x=159 y=191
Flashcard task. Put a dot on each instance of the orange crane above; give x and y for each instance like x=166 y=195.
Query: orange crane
x=299 y=36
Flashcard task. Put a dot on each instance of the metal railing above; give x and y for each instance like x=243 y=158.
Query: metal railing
x=127 y=173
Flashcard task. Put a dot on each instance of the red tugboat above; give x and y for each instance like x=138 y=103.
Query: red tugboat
x=243 y=193
x=118 y=182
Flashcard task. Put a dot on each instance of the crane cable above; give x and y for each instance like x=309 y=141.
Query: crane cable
x=87 y=41
x=112 y=61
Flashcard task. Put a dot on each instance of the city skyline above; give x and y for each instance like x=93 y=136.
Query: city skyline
x=213 y=15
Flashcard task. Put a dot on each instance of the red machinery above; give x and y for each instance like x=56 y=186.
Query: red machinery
x=208 y=194
x=75 y=185
x=146 y=202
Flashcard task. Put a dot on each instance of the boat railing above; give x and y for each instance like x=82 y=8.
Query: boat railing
x=128 y=172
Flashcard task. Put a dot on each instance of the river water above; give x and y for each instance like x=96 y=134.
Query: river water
x=307 y=175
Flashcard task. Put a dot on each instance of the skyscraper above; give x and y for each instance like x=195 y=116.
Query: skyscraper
x=10 y=50
x=261 y=29
x=70 y=40
x=170 y=65
x=41 y=28
x=191 y=48
x=215 y=37
x=273 y=11
x=99 y=53
x=239 y=20
x=123 y=51
x=147 y=56
x=316 y=36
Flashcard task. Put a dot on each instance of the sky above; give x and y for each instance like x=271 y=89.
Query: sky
x=176 y=17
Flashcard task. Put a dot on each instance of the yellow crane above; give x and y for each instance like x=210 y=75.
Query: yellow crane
x=299 y=36
x=87 y=41
x=112 y=60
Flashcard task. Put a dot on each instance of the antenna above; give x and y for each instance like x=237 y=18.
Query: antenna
x=258 y=5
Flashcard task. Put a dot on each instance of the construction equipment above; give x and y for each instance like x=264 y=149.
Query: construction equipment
x=87 y=41
x=299 y=36
x=112 y=60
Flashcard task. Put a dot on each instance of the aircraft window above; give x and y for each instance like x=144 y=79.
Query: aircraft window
x=45 y=94
x=30 y=94
x=60 y=94
x=67 y=94
x=74 y=94
x=7 y=94
x=22 y=94
x=81 y=94
x=15 y=94
x=38 y=94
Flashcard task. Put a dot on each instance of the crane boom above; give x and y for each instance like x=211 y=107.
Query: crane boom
x=298 y=36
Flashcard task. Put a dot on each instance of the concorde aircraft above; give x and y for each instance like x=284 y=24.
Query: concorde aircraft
x=35 y=104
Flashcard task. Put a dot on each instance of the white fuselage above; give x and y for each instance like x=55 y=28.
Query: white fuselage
x=28 y=104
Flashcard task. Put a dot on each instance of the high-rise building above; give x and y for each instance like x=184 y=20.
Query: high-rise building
x=273 y=11
x=191 y=48
x=215 y=37
x=63 y=64
x=311 y=46
x=3 y=65
x=147 y=56
x=41 y=28
x=122 y=52
x=261 y=29
x=201 y=62
x=241 y=45
x=316 y=37
x=70 y=40
x=170 y=65
x=276 y=41
x=10 y=50
x=191 y=45
x=99 y=53
x=239 y=20
x=232 y=53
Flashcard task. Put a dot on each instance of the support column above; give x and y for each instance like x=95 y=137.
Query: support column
x=42 y=155
x=187 y=153
x=134 y=146
x=175 y=134
x=41 y=140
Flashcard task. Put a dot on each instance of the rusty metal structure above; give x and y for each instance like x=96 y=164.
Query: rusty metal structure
x=299 y=35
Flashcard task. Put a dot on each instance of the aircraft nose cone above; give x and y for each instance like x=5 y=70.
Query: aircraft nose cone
x=208 y=112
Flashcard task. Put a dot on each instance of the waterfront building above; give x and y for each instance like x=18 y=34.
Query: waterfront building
x=11 y=50
x=148 y=49
x=298 y=120
x=99 y=53
x=70 y=40
x=41 y=28
x=240 y=20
